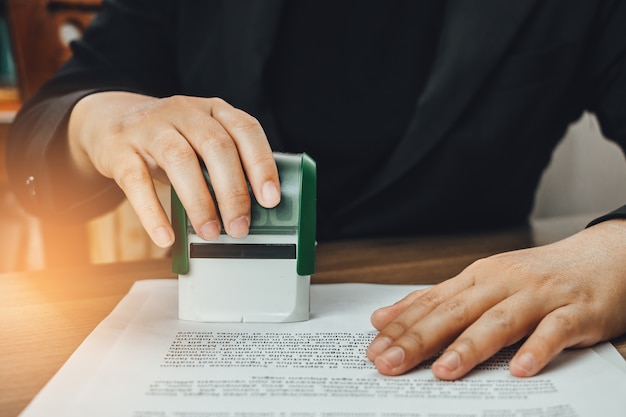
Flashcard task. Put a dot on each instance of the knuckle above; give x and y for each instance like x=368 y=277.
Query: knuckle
x=236 y=196
x=429 y=301
x=217 y=142
x=245 y=121
x=414 y=340
x=174 y=152
x=132 y=177
x=176 y=101
x=505 y=266
x=395 y=329
x=466 y=347
x=566 y=323
x=579 y=294
x=249 y=125
x=474 y=271
x=201 y=206
x=456 y=310
x=236 y=119
x=478 y=264
x=263 y=159
x=247 y=132
x=500 y=319
x=218 y=101
x=259 y=166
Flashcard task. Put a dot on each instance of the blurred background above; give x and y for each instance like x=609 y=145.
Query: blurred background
x=587 y=175
x=34 y=39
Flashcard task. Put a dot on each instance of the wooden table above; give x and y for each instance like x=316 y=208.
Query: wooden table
x=44 y=316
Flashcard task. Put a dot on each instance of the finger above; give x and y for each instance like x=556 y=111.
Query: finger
x=384 y=315
x=564 y=327
x=421 y=305
x=254 y=151
x=136 y=182
x=415 y=341
x=501 y=325
x=174 y=155
x=229 y=184
x=214 y=144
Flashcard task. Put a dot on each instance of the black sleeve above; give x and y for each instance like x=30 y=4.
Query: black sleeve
x=606 y=75
x=619 y=213
x=128 y=47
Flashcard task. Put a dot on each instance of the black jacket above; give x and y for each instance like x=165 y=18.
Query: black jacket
x=508 y=78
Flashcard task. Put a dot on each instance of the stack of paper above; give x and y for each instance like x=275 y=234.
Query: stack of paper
x=144 y=362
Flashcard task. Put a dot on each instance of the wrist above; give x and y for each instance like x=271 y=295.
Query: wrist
x=77 y=133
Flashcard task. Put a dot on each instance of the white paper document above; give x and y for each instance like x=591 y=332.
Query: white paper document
x=142 y=361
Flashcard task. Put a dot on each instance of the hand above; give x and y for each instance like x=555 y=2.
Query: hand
x=568 y=294
x=133 y=138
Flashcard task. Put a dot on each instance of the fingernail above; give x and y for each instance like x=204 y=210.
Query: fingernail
x=270 y=193
x=239 y=227
x=525 y=363
x=450 y=360
x=393 y=357
x=210 y=230
x=378 y=346
x=162 y=237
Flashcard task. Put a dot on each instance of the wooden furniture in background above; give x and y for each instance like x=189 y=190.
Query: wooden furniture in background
x=40 y=33
x=14 y=224
x=39 y=37
x=9 y=104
